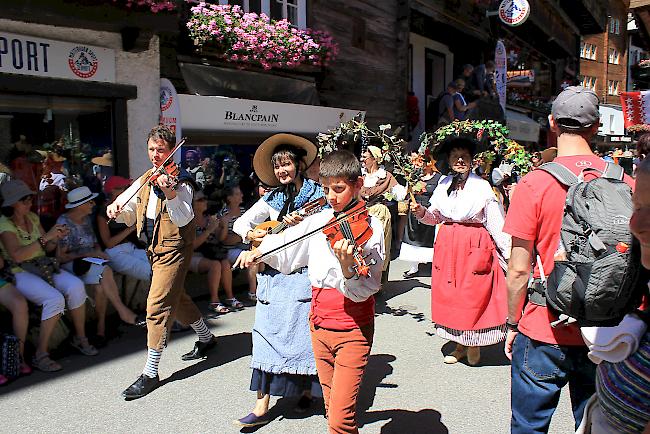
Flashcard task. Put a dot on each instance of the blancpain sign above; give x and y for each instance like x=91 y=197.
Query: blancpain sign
x=27 y=55
x=221 y=114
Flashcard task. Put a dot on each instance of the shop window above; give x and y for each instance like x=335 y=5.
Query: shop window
x=589 y=83
x=612 y=87
x=614 y=56
x=615 y=26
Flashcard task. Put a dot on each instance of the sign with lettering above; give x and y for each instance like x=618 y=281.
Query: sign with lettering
x=170 y=110
x=233 y=115
x=514 y=12
x=500 y=72
x=27 y=55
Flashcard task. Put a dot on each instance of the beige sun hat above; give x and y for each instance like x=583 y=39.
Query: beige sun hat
x=104 y=160
x=262 y=158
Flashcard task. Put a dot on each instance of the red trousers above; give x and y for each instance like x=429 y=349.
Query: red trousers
x=341 y=358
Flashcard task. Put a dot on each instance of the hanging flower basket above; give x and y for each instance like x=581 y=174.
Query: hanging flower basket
x=252 y=39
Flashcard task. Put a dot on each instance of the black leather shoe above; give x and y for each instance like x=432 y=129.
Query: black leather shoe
x=140 y=320
x=142 y=386
x=200 y=349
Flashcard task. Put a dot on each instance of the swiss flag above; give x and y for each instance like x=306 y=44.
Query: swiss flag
x=636 y=107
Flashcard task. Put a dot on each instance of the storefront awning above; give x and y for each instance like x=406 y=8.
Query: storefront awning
x=522 y=128
x=216 y=115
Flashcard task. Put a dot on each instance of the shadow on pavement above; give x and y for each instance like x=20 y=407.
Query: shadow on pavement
x=394 y=289
x=229 y=348
x=400 y=420
x=492 y=355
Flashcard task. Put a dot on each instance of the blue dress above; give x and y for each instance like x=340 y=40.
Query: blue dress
x=283 y=361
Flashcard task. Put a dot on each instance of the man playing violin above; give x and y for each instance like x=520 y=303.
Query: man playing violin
x=344 y=274
x=163 y=215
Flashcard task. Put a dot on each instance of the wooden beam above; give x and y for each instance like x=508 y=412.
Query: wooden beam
x=14 y=83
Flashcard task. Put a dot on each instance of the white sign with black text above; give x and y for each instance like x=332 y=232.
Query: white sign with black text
x=27 y=55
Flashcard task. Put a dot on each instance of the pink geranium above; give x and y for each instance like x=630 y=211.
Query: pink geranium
x=256 y=39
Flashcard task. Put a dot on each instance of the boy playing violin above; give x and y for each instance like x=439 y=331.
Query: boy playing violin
x=343 y=306
x=164 y=217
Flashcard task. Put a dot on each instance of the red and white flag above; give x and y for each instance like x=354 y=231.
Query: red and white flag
x=636 y=107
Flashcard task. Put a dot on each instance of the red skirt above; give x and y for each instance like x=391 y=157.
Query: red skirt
x=468 y=287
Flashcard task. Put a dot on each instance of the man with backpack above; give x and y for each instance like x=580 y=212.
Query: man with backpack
x=546 y=353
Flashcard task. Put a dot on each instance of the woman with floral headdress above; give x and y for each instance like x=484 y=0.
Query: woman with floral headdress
x=468 y=287
x=378 y=183
x=283 y=361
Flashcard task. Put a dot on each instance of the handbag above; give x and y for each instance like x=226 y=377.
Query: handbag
x=80 y=267
x=44 y=267
x=10 y=356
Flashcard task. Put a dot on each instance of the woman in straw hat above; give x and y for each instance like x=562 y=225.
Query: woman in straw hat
x=81 y=243
x=25 y=242
x=283 y=361
x=468 y=287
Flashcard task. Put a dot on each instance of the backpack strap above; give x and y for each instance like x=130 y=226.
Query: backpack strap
x=560 y=172
x=613 y=171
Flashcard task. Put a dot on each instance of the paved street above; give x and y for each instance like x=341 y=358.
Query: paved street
x=407 y=388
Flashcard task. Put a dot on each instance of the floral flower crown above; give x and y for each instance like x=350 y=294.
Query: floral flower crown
x=387 y=140
x=492 y=131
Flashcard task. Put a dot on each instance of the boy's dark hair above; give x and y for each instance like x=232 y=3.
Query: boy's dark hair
x=643 y=146
x=162 y=133
x=340 y=164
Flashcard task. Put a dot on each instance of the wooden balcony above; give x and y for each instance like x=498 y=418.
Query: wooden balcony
x=590 y=16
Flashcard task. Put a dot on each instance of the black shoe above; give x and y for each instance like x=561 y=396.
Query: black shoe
x=142 y=386
x=140 y=320
x=99 y=341
x=200 y=349
x=408 y=274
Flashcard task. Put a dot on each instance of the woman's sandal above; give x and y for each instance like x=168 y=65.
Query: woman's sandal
x=233 y=303
x=218 y=307
x=45 y=364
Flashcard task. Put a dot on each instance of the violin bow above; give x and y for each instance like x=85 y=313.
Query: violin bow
x=309 y=234
x=155 y=172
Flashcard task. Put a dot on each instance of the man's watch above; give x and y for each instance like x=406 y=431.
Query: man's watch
x=514 y=326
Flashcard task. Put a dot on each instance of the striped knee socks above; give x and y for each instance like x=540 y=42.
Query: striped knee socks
x=202 y=330
x=151 y=367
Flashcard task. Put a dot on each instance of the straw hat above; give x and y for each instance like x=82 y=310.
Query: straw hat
x=263 y=154
x=14 y=190
x=79 y=196
x=51 y=155
x=104 y=160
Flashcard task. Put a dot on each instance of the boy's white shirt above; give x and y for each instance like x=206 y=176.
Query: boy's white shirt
x=324 y=269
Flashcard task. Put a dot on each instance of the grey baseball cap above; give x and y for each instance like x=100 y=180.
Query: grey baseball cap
x=576 y=108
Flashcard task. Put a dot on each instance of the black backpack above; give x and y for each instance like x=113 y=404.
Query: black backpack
x=599 y=282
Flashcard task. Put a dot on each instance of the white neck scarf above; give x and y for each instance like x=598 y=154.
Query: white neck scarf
x=464 y=204
x=370 y=179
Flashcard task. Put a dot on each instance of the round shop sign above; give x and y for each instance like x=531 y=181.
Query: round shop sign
x=514 y=12
x=83 y=61
x=166 y=98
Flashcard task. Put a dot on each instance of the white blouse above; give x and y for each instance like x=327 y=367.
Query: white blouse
x=324 y=269
x=256 y=214
x=179 y=208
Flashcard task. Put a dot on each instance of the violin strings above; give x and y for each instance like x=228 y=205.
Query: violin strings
x=338 y=220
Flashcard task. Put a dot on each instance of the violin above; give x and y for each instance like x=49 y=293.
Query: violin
x=275 y=227
x=356 y=229
x=171 y=169
x=352 y=224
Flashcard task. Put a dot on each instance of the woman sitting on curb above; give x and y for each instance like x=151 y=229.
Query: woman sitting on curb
x=25 y=242
x=81 y=243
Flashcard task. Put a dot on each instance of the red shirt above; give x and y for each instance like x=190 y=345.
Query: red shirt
x=535 y=214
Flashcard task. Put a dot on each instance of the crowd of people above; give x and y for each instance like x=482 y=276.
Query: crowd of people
x=492 y=238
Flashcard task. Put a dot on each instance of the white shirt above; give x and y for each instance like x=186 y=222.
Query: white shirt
x=256 y=214
x=324 y=270
x=179 y=208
